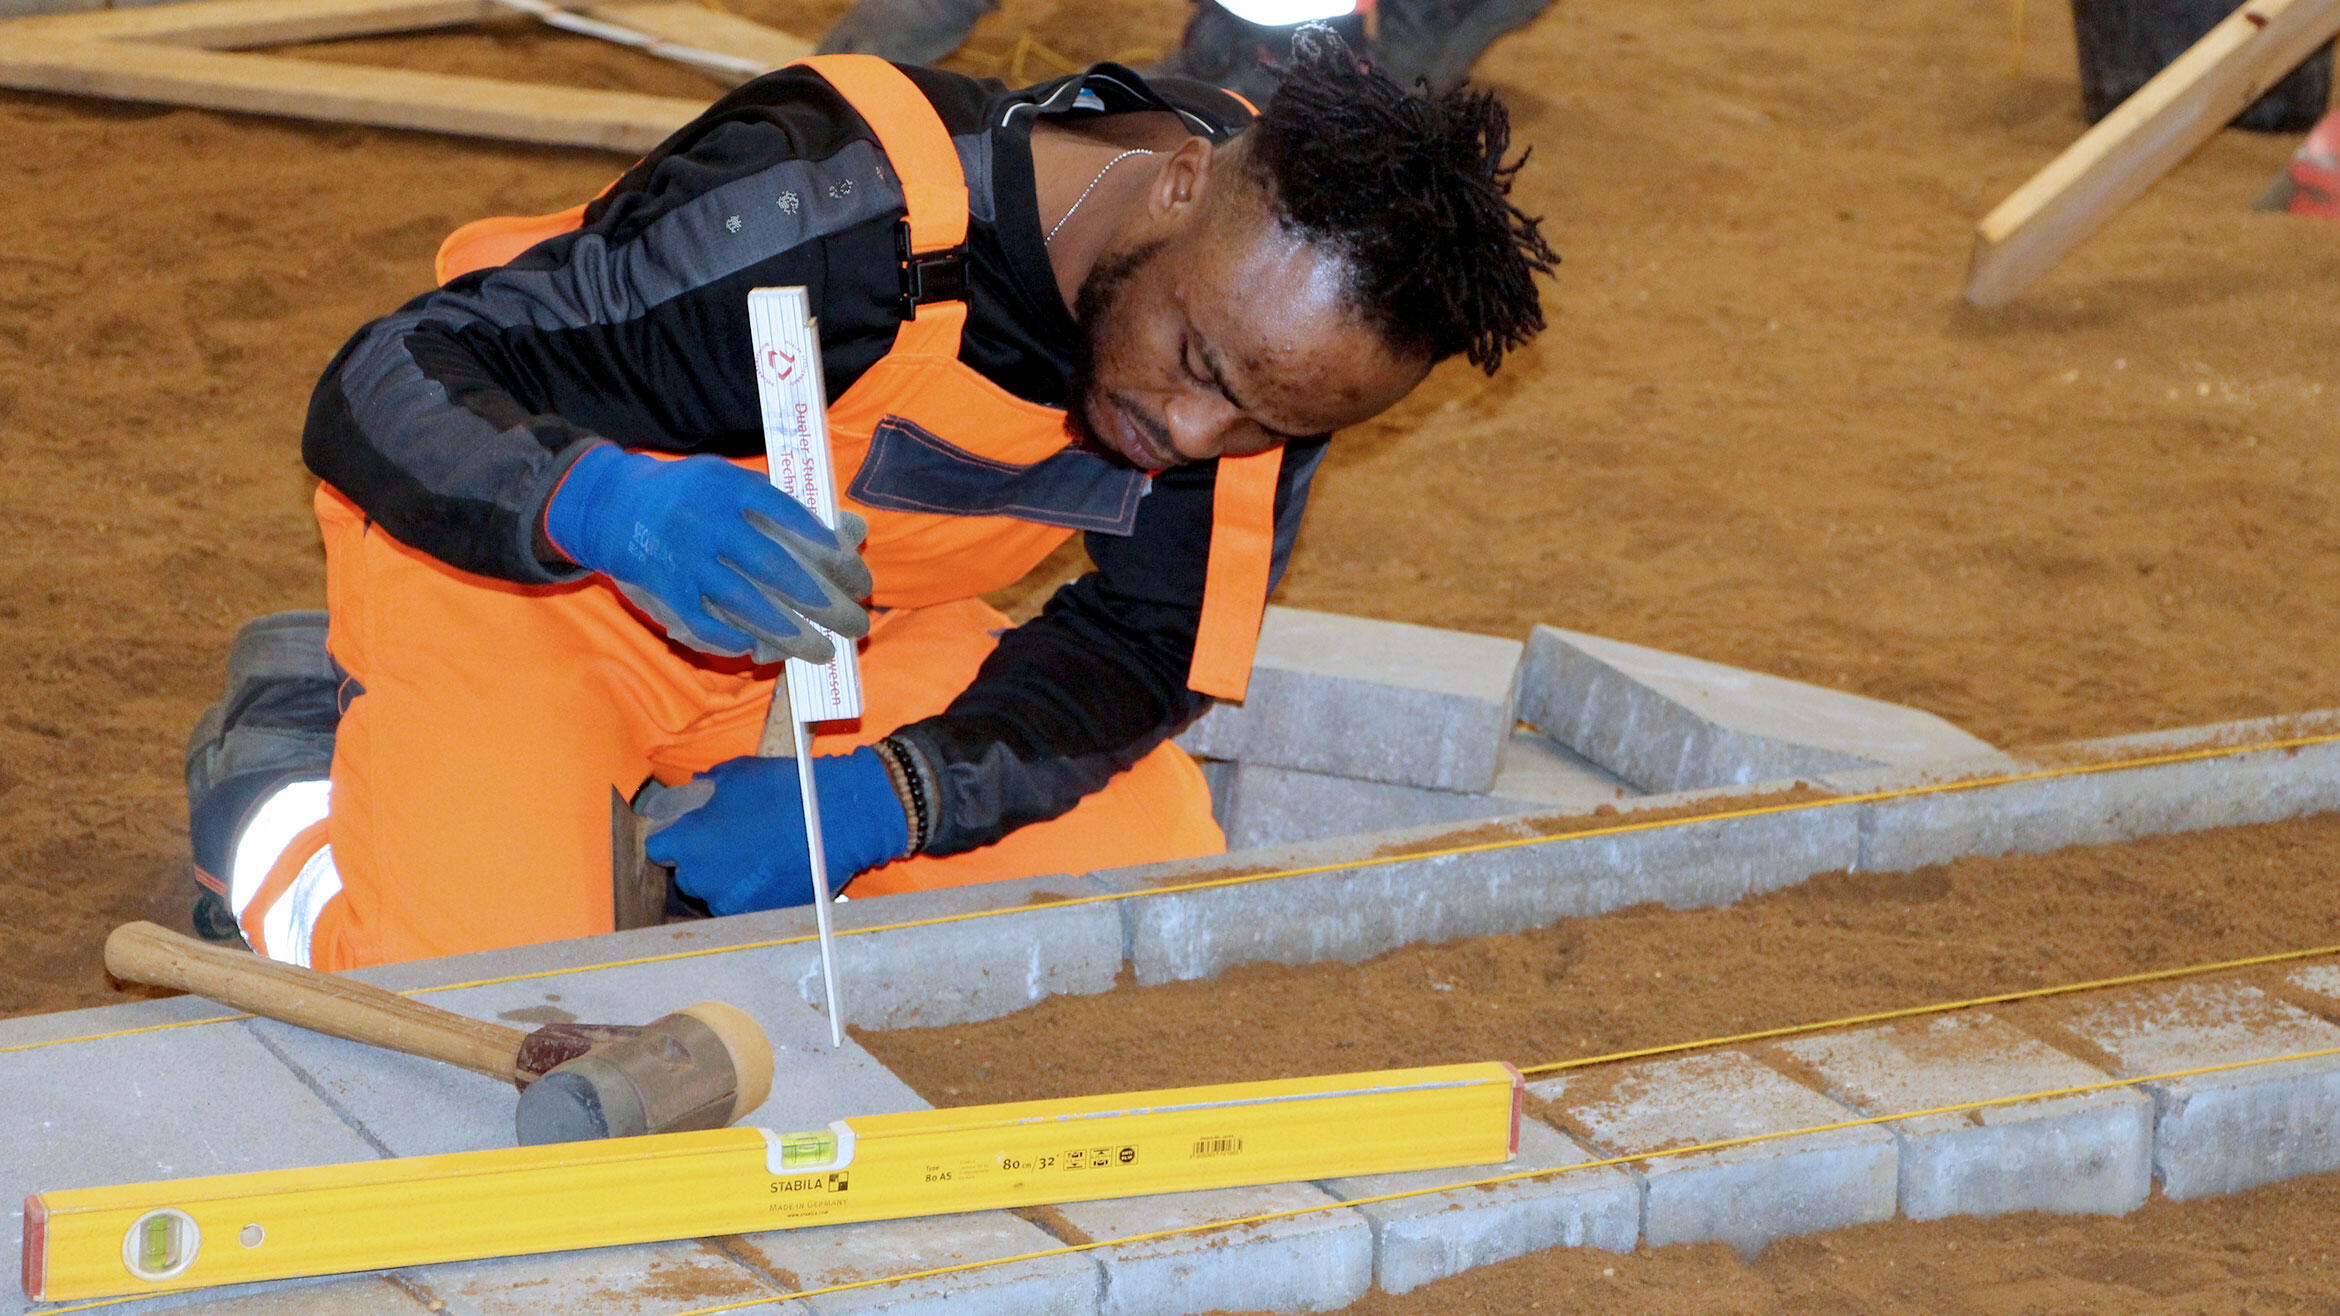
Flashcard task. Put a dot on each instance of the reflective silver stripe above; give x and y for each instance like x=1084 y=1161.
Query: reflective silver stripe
x=288 y=811
x=290 y=923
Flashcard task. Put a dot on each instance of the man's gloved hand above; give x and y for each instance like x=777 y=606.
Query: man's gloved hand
x=735 y=834
x=725 y=562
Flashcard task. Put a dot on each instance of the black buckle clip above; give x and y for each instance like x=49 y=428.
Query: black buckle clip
x=934 y=276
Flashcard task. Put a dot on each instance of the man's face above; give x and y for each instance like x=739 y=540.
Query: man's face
x=1227 y=336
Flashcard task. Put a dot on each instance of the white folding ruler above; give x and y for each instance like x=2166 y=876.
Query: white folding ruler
x=796 y=441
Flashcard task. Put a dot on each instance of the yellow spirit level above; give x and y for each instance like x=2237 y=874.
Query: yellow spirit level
x=373 y=1215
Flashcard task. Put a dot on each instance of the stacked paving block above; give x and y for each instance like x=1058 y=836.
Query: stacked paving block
x=1355 y=726
x=1666 y=722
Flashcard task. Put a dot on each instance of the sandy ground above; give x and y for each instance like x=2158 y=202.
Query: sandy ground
x=1763 y=430
x=1835 y=947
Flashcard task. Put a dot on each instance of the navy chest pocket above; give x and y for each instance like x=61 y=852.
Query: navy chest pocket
x=913 y=469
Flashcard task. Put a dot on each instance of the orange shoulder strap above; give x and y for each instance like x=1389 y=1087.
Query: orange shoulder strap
x=915 y=142
x=498 y=238
x=1243 y=542
x=909 y=132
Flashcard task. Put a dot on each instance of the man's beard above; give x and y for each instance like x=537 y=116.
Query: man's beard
x=1099 y=295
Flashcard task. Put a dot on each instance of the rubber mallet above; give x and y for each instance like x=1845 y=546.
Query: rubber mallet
x=699 y=1068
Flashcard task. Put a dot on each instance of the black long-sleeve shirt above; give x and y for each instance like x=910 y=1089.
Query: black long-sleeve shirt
x=451 y=421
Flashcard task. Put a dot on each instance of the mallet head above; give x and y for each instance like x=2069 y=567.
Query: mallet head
x=698 y=1068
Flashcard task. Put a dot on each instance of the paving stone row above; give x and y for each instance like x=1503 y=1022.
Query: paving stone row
x=250 y=1094
x=2091 y=1152
x=2050 y=813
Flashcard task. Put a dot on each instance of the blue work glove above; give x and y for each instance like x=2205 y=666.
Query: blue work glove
x=725 y=562
x=734 y=835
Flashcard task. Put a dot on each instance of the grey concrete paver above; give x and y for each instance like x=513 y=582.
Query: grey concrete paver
x=1375 y=700
x=340 y=1295
x=2085 y=1153
x=1320 y=1261
x=1363 y=902
x=811 y=1259
x=1264 y=805
x=1669 y=722
x=645 y=1279
x=2224 y=1131
x=1429 y=1237
x=2095 y=808
x=164 y=1105
x=1745 y=1195
x=2321 y=982
x=418 y=1107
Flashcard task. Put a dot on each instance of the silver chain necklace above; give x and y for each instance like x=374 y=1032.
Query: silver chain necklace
x=1076 y=205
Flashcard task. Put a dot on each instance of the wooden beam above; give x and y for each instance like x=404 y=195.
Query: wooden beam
x=2142 y=139
x=689 y=23
x=345 y=93
x=246 y=24
x=241 y=24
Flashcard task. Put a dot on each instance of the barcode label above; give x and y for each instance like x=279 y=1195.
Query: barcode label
x=1226 y=1146
x=796 y=442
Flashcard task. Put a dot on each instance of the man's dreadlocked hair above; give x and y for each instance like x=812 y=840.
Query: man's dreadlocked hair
x=1411 y=187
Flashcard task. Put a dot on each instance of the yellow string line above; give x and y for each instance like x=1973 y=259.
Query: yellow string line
x=1720 y=1144
x=1375 y=861
x=1906 y=1012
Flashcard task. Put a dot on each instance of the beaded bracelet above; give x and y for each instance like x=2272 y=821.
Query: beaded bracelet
x=910 y=785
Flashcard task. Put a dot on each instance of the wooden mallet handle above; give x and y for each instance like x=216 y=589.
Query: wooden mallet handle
x=327 y=1003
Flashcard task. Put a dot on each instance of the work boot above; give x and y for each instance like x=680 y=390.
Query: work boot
x=904 y=31
x=1437 y=41
x=2310 y=184
x=1226 y=51
x=274 y=729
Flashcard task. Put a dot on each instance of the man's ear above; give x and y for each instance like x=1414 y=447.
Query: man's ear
x=1185 y=182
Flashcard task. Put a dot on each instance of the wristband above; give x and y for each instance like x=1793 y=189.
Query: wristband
x=902 y=768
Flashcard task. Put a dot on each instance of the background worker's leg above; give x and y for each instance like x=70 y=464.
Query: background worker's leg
x=471 y=777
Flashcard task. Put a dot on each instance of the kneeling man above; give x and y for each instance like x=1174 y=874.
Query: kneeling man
x=555 y=565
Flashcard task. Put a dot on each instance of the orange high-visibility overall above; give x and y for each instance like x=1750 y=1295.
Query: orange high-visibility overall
x=471 y=779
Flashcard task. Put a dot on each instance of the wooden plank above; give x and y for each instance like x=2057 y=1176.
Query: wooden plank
x=304 y=89
x=2144 y=138
x=245 y=24
x=240 y=24
x=687 y=23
